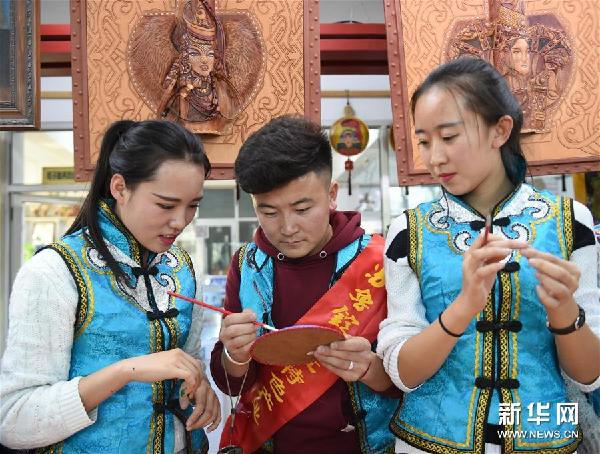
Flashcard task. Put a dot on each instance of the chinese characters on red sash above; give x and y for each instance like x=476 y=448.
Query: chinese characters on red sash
x=356 y=304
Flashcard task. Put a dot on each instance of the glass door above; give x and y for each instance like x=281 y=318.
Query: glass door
x=36 y=221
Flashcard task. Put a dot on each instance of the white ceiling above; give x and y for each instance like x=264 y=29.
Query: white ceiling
x=367 y=11
x=55 y=12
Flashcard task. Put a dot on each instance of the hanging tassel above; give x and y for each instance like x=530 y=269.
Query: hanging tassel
x=348 y=165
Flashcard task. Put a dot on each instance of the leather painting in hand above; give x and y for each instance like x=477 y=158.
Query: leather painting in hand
x=196 y=66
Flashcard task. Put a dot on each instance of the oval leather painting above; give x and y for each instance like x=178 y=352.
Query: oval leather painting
x=291 y=345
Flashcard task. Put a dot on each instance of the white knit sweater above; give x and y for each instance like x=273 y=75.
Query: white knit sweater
x=39 y=405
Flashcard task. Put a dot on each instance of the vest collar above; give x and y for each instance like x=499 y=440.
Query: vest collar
x=115 y=233
x=456 y=208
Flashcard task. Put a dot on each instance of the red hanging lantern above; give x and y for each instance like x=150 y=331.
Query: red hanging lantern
x=349 y=136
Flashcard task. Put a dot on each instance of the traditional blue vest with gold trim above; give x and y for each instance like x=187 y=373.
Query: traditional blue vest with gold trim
x=506 y=356
x=373 y=411
x=118 y=320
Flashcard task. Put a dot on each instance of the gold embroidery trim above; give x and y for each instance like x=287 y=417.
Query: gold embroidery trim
x=241 y=256
x=503 y=354
x=183 y=258
x=567 y=210
x=157 y=420
x=360 y=425
x=413 y=241
x=173 y=326
x=56 y=448
x=133 y=243
x=85 y=306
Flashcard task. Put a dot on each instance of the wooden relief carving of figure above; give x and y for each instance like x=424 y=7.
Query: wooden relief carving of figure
x=197 y=65
x=190 y=86
x=531 y=51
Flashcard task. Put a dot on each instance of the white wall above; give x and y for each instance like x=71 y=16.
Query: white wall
x=366 y=11
x=55 y=12
x=56 y=113
x=373 y=111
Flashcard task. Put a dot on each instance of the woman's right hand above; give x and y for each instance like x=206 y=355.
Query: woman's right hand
x=207 y=409
x=238 y=333
x=480 y=265
x=167 y=365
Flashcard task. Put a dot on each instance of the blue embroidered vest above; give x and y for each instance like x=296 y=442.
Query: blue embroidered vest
x=373 y=411
x=117 y=320
x=506 y=354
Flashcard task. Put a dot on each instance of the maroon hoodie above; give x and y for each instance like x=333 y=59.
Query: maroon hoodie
x=302 y=281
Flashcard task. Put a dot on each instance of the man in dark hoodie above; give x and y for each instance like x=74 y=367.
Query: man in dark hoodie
x=306 y=257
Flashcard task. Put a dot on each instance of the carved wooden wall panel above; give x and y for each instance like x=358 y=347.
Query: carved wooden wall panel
x=104 y=90
x=421 y=34
x=19 y=65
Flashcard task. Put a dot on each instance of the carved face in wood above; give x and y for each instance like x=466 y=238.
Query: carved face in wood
x=520 y=57
x=202 y=59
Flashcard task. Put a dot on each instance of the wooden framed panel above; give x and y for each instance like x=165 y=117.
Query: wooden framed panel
x=19 y=71
x=109 y=85
x=425 y=33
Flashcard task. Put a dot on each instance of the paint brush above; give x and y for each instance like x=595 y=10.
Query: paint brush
x=215 y=308
x=488 y=227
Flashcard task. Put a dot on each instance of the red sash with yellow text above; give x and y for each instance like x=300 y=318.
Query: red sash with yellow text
x=355 y=304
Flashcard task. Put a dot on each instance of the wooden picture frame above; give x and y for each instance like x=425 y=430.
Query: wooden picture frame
x=416 y=46
x=86 y=90
x=20 y=68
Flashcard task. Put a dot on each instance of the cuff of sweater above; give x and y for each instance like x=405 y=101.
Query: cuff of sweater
x=391 y=366
x=73 y=413
x=583 y=387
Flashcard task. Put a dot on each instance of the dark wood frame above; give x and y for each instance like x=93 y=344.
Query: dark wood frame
x=399 y=97
x=23 y=110
x=220 y=171
x=407 y=173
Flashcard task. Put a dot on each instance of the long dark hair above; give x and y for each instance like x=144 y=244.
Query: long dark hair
x=485 y=93
x=134 y=150
x=284 y=149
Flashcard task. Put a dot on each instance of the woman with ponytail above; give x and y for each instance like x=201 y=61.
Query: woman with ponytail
x=99 y=357
x=492 y=289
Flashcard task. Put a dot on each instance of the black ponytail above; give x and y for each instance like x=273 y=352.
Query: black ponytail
x=134 y=150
